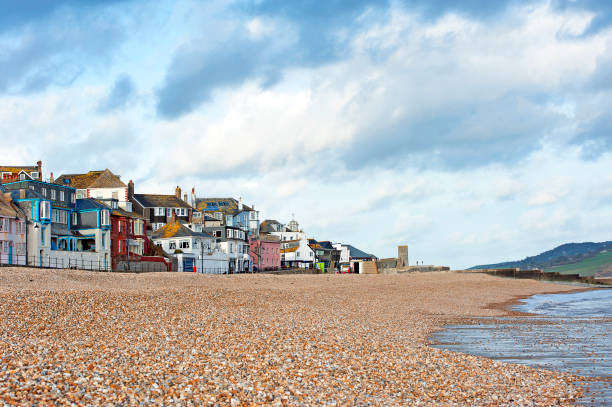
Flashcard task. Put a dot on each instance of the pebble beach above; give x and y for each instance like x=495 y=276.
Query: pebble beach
x=70 y=337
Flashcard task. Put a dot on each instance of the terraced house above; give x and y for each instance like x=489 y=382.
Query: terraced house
x=12 y=231
x=195 y=251
x=101 y=184
x=16 y=173
x=158 y=210
x=62 y=231
x=230 y=211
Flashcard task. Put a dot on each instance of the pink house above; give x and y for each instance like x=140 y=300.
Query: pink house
x=12 y=231
x=265 y=252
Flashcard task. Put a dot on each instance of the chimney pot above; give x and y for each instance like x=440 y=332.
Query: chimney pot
x=185 y=197
x=51 y=178
x=130 y=190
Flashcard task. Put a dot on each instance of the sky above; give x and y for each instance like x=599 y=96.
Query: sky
x=474 y=131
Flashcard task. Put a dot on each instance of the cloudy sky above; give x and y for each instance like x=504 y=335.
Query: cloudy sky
x=474 y=131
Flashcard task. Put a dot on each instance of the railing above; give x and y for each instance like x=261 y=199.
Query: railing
x=47 y=261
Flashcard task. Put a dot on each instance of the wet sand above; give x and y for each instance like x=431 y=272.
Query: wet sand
x=88 y=338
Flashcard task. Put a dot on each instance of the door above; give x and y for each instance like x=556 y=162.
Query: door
x=356 y=267
x=10 y=253
x=187 y=263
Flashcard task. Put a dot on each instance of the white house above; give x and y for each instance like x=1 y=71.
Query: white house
x=192 y=249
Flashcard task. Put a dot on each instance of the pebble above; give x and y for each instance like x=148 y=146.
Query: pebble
x=87 y=338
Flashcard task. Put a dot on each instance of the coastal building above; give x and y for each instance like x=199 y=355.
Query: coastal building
x=62 y=231
x=230 y=211
x=234 y=242
x=325 y=254
x=101 y=184
x=193 y=250
x=294 y=246
x=12 y=231
x=264 y=251
x=16 y=173
x=352 y=257
x=158 y=210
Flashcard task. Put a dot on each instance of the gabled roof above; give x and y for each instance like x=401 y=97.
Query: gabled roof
x=176 y=229
x=92 y=179
x=160 y=201
x=326 y=244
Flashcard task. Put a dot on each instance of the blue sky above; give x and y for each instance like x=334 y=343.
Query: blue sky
x=473 y=131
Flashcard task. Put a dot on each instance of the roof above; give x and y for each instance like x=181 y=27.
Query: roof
x=160 y=201
x=176 y=229
x=223 y=204
x=267 y=226
x=92 y=179
x=355 y=253
x=326 y=244
x=120 y=211
x=9 y=208
x=89 y=203
x=16 y=168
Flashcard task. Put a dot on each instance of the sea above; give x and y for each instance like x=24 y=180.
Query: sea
x=567 y=332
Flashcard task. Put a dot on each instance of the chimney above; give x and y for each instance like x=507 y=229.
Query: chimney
x=130 y=190
x=185 y=197
x=177 y=192
x=51 y=178
x=193 y=201
x=7 y=197
x=22 y=194
x=240 y=204
x=39 y=163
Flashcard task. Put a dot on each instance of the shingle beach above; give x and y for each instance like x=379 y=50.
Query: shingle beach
x=71 y=337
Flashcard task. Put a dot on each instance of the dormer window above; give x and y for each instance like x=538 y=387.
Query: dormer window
x=22 y=176
x=34 y=174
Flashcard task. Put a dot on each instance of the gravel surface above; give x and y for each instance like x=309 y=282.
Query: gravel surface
x=86 y=338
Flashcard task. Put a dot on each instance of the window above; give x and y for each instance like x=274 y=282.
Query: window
x=218 y=233
x=44 y=191
x=160 y=211
x=168 y=212
x=104 y=217
x=42 y=235
x=115 y=195
x=196 y=215
x=72 y=197
x=119 y=226
x=75 y=219
x=230 y=233
x=298 y=254
x=158 y=244
x=34 y=174
x=4 y=225
x=172 y=245
x=53 y=194
x=184 y=244
x=21 y=176
x=45 y=209
x=81 y=194
x=61 y=195
x=103 y=239
x=21 y=227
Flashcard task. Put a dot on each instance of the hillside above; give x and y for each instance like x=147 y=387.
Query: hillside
x=599 y=265
x=566 y=254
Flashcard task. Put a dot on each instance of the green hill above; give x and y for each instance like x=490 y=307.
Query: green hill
x=601 y=263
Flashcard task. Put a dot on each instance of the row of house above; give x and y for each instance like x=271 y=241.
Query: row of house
x=94 y=220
